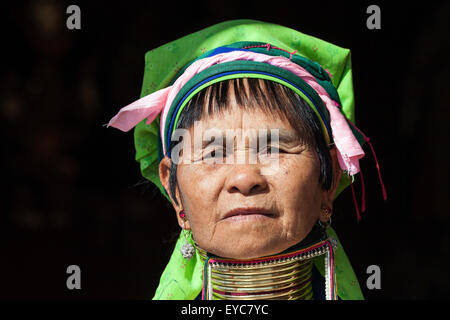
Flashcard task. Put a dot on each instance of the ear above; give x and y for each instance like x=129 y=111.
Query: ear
x=337 y=174
x=164 y=176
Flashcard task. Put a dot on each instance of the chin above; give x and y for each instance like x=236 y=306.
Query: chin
x=249 y=249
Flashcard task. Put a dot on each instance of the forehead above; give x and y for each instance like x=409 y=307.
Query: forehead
x=236 y=117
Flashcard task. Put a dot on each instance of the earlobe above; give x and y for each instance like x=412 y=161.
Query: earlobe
x=164 y=176
x=183 y=221
x=325 y=216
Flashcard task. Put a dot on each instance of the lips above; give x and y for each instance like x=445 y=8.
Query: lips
x=248 y=211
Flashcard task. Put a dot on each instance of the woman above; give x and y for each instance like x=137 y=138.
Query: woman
x=251 y=139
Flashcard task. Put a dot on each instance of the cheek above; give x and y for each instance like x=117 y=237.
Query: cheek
x=199 y=196
x=198 y=184
x=298 y=189
x=297 y=176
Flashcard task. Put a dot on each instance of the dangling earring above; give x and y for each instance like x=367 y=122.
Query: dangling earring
x=187 y=249
x=327 y=213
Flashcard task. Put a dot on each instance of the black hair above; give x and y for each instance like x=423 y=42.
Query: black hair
x=270 y=97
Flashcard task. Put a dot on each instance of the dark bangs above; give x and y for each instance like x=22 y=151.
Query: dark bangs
x=274 y=99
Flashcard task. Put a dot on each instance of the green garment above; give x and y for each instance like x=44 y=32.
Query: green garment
x=182 y=279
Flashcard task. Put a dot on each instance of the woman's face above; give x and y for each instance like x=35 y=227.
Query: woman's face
x=245 y=209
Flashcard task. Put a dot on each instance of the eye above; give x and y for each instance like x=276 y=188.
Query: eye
x=271 y=150
x=216 y=152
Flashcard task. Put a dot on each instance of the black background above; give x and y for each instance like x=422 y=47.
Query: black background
x=72 y=192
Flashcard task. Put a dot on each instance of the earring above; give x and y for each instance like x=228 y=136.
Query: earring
x=187 y=249
x=327 y=213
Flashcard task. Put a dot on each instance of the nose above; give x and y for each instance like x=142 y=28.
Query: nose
x=247 y=180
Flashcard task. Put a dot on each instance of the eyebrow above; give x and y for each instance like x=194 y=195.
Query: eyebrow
x=284 y=136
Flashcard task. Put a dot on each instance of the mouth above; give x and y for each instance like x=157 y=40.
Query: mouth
x=248 y=213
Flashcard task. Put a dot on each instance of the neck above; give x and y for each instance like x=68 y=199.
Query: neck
x=281 y=278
